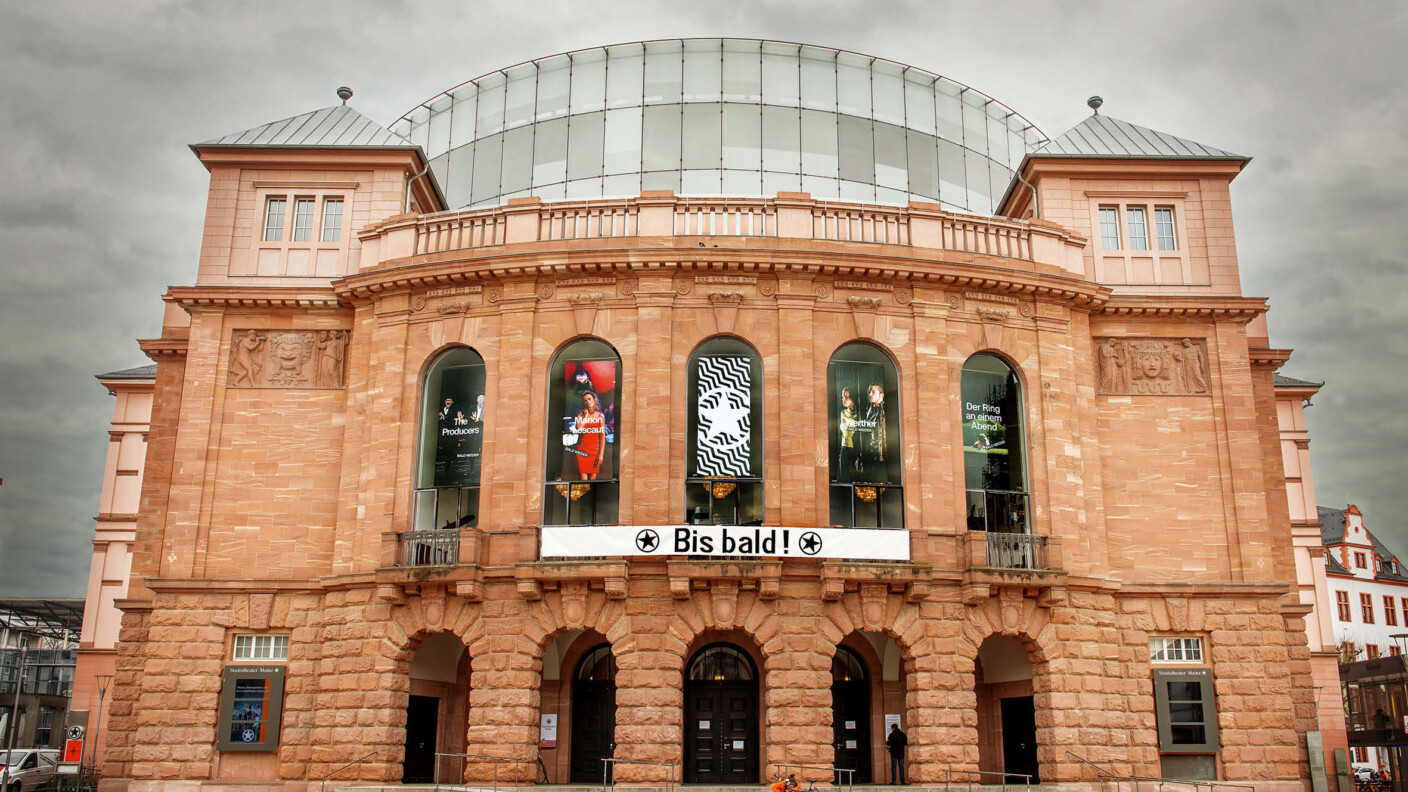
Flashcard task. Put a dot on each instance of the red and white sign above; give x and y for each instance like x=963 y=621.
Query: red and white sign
x=73 y=751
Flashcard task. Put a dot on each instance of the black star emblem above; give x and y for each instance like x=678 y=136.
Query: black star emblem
x=647 y=540
x=811 y=543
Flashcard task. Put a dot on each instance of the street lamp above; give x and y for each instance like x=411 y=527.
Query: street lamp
x=103 y=680
x=14 y=715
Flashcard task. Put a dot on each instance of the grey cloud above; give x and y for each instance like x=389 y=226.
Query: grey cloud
x=104 y=202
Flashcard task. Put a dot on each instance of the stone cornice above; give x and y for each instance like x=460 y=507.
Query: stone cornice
x=1274 y=358
x=1209 y=307
x=159 y=349
x=477 y=267
x=1209 y=590
x=189 y=297
x=195 y=585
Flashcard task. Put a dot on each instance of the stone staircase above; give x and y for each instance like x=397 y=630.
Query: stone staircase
x=707 y=788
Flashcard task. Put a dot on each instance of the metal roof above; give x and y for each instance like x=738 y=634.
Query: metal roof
x=1281 y=381
x=61 y=619
x=139 y=373
x=337 y=126
x=1106 y=136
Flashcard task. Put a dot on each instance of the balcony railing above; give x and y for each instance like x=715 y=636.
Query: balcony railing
x=1016 y=551
x=790 y=216
x=430 y=548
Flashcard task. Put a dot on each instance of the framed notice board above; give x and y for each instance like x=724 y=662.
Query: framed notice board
x=251 y=708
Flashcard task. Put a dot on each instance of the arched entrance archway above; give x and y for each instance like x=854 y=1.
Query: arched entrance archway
x=721 y=717
x=1006 y=710
x=593 y=713
x=437 y=707
x=850 y=705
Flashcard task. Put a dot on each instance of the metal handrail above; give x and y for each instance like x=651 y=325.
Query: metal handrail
x=344 y=767
x=1106 y=775
x=482 y=758
x=850 y=771
x=980 y=773
x=608 y=771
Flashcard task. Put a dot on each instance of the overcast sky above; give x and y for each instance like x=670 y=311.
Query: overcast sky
x=102 y=202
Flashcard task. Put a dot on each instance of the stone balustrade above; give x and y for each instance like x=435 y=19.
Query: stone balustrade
x=663 y=214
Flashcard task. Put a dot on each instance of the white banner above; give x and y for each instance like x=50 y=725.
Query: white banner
x=870 y=544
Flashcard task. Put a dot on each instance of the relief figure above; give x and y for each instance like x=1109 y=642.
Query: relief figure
x=332 y=349
x=244 y=367
x=1151 y=374
x=289 y=353
x=1195 y=376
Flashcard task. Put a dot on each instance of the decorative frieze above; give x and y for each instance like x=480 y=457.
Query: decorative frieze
x=1155 y=366
x=287 y=359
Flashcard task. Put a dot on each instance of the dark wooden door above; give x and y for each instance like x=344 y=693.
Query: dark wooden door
x=850 y=705
x=1019 y=738
x=721 y=733
x=593 y=728
x=422 y=727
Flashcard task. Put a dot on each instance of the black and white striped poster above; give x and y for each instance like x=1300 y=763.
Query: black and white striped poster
x=725 y=407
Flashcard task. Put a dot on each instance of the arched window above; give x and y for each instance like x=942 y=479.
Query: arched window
x=451 y=456
x=994 y=446
x=721 y=663
x=863 y=394
x=583 y=448
x=846 y=666
x=725 y=434
x=597 y=666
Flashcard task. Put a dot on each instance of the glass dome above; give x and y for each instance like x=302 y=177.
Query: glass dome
x=730 y=117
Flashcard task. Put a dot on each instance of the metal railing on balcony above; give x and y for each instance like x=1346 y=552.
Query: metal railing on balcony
x=429 y=548
x=1016 y=551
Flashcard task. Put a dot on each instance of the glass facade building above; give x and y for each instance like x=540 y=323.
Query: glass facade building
x=720 y=117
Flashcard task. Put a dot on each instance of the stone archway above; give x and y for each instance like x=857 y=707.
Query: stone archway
x=437 y=708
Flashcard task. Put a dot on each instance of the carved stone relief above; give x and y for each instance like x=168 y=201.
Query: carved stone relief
x=287 y=359
x=1158 y=366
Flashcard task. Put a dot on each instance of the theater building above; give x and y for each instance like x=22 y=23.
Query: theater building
x=706 y=406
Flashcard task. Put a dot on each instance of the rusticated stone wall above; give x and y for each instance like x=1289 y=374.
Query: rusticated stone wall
x=351 y=651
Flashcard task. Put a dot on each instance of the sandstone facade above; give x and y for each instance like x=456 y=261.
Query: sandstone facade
x=280 y=507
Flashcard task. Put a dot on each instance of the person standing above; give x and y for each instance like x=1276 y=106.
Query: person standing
x=897 y=742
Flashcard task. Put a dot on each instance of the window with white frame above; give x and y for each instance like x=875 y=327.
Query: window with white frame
x=1170 y=649
x=261 y=647
x=1110 y=227
x=302 y=231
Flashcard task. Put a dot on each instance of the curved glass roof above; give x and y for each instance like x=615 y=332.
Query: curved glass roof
x=736 y=117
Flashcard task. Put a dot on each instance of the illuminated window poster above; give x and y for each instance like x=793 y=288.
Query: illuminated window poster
x=994 y=464
x=455 y=413
x=864 y=420
x=583 y=448
x=725 y=435
x=251 y=704
x=864 y=429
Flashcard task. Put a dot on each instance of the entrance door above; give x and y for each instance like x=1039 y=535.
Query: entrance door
x=850 y=724
x=721 y=718
x=593 y=715
x=1019 y=738
x=422 y=721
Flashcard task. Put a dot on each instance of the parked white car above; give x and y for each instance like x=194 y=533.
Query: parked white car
x=1362 y=771
x=30 y=769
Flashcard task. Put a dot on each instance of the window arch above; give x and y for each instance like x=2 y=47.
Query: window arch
x=721 y=663
x=583 y=448
x=598 y=665
x=451 y=454
x=847 y=666
x=723 y=479
x=862 y=387
x=994 y=446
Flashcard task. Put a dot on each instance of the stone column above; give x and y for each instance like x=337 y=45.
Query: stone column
x=941 y=709
x=504 y=702
x=797 y=694
x=650 y=698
